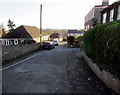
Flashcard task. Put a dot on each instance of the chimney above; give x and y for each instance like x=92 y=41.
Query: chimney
x=105 y=2
x=3 y=31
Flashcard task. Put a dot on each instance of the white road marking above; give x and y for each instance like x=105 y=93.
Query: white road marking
x=18 y=62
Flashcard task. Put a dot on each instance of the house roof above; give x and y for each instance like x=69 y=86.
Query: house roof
x=96 y=6
x=6 y=31
x=25 y=31
x=3 y=32
x=55 y=35
x=34 y=31
x=110 y=7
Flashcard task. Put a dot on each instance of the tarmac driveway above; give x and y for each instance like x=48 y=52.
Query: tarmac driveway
x=61 y=70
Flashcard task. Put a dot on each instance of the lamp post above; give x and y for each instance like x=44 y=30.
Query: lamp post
x=41 y=23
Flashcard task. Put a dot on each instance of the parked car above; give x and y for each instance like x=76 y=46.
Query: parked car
x=55 y=42
x=48 y=45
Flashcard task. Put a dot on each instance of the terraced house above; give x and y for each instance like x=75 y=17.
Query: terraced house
x=24 y=33
x=111 y=13
x=94 y=16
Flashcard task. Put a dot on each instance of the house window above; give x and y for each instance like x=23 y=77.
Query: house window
x=10 y=42
x=104 y=17
x=15 y=42
x=118 y=16
x=86 y=27
x=111 y=15
x=46 y=37
x=7 y=42
x=4 y=42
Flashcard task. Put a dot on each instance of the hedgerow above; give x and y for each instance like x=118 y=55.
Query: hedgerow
x=102 y=45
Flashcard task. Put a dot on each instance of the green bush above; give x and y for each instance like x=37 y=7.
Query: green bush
x=102 y=45
x=80 y=40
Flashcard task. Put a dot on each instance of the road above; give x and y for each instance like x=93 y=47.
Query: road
x=61 y=70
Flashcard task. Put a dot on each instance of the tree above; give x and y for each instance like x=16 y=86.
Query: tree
x=10 y=25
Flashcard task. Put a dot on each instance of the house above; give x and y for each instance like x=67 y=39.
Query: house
x=45 y=36
x=111 y=13
x=75 y=33
x=56 y=36
x=94 y=16
x=0 y=33
x=24 y=33
x=2 y=30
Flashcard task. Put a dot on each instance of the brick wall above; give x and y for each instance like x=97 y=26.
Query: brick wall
x=94 y=13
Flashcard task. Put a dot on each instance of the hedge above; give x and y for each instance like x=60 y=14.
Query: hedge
x=102 y=45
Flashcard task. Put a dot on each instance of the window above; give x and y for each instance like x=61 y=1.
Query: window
x=104 y=17
x=10 y=42
x=118 y=16
x=7 y=42
x=45 y=37
x=111 y=15
x=86 y=27
x=15 y=42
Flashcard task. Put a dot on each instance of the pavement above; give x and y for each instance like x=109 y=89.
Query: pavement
x=60 y=70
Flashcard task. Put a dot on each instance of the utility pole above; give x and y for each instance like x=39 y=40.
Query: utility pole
x=41 y=23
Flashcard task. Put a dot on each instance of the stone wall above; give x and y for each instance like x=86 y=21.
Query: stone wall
x=105 y=76
x=14 y=51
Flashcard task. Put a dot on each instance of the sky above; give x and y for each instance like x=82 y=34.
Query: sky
x=56 y=14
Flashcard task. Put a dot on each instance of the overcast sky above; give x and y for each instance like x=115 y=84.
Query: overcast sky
x=61 y=14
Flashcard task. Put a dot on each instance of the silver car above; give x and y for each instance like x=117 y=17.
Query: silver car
x=55 y=42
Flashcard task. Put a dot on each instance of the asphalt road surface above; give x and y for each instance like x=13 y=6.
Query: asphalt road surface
x=60 y=70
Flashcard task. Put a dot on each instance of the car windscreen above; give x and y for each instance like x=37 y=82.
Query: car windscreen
x=46 y=43
x=54 y=41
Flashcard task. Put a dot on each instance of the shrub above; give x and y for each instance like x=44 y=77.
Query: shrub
x=80 y=40
x=102 y=44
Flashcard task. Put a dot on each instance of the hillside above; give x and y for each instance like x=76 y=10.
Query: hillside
x=63 y=32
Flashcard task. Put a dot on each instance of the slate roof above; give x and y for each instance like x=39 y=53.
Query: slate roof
x=55 y=35
x=110 y=7
x=25 y=31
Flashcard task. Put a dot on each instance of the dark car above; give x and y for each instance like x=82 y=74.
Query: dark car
x=48 y=45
